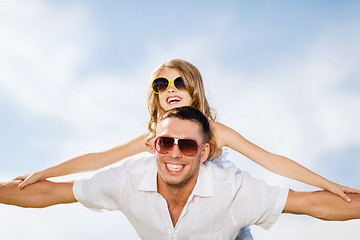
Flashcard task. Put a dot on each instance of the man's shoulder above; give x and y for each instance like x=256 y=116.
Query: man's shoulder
x=139 y=164
x=126 y=169
x=135 y=166
x=223 y=175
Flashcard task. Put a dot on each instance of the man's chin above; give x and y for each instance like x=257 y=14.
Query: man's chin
x=176 y=183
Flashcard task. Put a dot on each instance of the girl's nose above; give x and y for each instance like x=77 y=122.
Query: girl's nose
x=171 y=88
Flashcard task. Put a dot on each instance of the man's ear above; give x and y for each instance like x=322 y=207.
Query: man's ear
x=205 y=152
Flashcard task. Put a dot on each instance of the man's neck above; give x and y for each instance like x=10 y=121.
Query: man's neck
x=175 y=194
x=176 y=197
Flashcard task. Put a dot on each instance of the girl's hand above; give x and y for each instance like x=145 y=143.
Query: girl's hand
x=341 y=191
x=28 y=179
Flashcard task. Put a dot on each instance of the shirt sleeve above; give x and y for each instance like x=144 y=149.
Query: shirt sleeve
x=101 y=191
x=257 y=203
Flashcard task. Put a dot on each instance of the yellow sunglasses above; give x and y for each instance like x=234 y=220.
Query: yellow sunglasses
x=160 y=85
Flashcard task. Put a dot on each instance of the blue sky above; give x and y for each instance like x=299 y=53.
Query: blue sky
x=74 y=77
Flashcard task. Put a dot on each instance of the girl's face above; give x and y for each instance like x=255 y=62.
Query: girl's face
x=172 y=98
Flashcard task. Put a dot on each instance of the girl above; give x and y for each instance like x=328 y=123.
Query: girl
x=178 y=83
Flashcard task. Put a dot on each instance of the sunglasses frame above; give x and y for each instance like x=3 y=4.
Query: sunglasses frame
x=176 y=142
x=169 y=82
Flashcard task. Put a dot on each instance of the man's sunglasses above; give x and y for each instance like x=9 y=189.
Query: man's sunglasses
x=161 y=84
x=188 y=147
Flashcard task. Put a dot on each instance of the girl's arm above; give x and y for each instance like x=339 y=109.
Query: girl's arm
x=283 y=166
x=88 y=162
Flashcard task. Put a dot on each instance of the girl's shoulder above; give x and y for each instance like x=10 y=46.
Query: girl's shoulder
x=216 y=126
x=219 y=129
x=224 y=135
x=219 y=132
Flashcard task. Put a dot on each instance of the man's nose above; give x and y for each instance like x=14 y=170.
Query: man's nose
x=175 y=152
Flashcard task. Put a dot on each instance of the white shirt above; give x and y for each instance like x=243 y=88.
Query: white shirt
x=223 y=201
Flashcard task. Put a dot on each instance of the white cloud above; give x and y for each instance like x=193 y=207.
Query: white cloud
x=303 y=227
x=63 y=222
x=41 y=51
x=43 y=47
x=301 y=102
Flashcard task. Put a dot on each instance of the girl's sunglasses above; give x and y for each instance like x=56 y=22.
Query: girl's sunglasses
x=161 y=84
x=188 y=147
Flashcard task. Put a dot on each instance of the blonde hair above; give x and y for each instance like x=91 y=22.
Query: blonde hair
x=194 y=84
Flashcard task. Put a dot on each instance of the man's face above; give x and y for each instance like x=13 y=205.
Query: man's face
x=174 y=168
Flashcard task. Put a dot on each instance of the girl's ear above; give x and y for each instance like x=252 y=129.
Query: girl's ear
x=205 y=152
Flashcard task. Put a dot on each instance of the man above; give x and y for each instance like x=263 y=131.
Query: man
x=181 y=196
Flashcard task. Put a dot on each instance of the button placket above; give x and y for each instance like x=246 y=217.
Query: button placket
x=165 y=211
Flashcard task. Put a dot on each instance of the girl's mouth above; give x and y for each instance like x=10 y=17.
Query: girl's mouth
x=173 y=100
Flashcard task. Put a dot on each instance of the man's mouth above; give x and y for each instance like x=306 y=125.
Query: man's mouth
x=176 y=168
x=173 y=100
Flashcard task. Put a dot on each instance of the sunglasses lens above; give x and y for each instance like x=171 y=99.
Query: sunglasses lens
x=179 y=84
x=159 y=85
x=164 y=144
x=188 y=147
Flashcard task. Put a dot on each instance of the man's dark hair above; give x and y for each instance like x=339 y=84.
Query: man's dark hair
x=192 y=114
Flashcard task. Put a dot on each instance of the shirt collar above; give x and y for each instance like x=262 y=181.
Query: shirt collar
x=202 y=188
x=149 y=181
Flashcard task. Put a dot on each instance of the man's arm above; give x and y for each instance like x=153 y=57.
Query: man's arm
x=38 y=195
x=323 y=205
